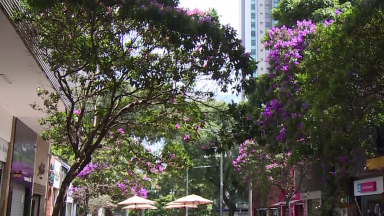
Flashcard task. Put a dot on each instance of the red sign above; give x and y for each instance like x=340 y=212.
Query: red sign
x=366 y=187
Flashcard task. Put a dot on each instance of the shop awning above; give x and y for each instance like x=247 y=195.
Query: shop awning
x=279 y=203
x=295 y=201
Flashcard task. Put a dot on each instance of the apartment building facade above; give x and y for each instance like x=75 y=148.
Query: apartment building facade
x=255 y=21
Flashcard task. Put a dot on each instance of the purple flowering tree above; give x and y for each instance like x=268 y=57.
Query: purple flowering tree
x=272 y=175
x=122 y=169
x=127 y=69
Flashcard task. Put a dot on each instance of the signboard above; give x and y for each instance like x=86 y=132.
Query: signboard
x=3 y=150
x=56 y=173
x=23 y=155
x=368 y=186
x=41 y=162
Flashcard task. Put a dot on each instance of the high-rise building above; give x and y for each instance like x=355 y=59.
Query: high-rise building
x=255 y=21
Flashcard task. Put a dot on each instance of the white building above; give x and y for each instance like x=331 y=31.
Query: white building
x=255 y=21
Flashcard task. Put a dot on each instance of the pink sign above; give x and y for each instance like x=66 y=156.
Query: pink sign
x=366 y=187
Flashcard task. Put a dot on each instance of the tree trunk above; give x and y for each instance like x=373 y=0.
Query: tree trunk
x=72 y=173
x=329 y=191
x=231 y=210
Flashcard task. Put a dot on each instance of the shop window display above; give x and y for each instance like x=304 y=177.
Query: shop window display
x=314 y=207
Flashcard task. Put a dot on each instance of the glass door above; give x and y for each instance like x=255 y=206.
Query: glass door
x=35 y=205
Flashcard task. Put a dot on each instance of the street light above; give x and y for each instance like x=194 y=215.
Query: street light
x=221 y=176
x=186 y=183
x=221 y=183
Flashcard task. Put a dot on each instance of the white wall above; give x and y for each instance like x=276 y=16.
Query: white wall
x=41 y=162
x=5 y=125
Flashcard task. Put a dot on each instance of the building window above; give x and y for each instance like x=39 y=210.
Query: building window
x=253 y=52
x=261 y=32
x=261 y=23
x=253 y=42
x=268 y=25
x=267 y=15
x=253 y=33
x=253 y=24
x=261 y=5
x=261 y=59
x=253 y=15
x=261 y=50
x=267 y=6
x=261 y=69
x=253 y=6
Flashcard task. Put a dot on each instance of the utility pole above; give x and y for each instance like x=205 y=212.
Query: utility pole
x=221 y=183
x=250 y=209
x=221 y=177
x=186 y=190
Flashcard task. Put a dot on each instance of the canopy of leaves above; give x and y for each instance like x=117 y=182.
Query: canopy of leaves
x=289 y=11
x=330 y=100
x=127 y=69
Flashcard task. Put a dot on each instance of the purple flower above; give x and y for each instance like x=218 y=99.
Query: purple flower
x=338 y=12
x=120 y=130
x=77 y=112
x=143 y=192
x=186 y=138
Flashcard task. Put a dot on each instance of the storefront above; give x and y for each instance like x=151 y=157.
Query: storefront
x=297 y=206
x=22 y=171
x=312 y=201
x=370 y=192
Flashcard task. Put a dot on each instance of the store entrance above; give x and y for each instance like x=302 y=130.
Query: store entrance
x=371 y=202
x=35 y=205
x=299 y=210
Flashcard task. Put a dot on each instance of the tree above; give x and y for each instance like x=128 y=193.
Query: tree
x=203 y=151
x=288 y=12
x=271 y=172
x=120 y=170
x=345 y=98
x=126 y=69
x=324 y=96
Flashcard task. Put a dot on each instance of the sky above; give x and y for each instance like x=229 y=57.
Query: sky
x=229 y=14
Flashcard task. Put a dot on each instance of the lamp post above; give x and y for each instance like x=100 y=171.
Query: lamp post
x=186 y=183
x=221 y=183
x=250 y=209
x=221 y=177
